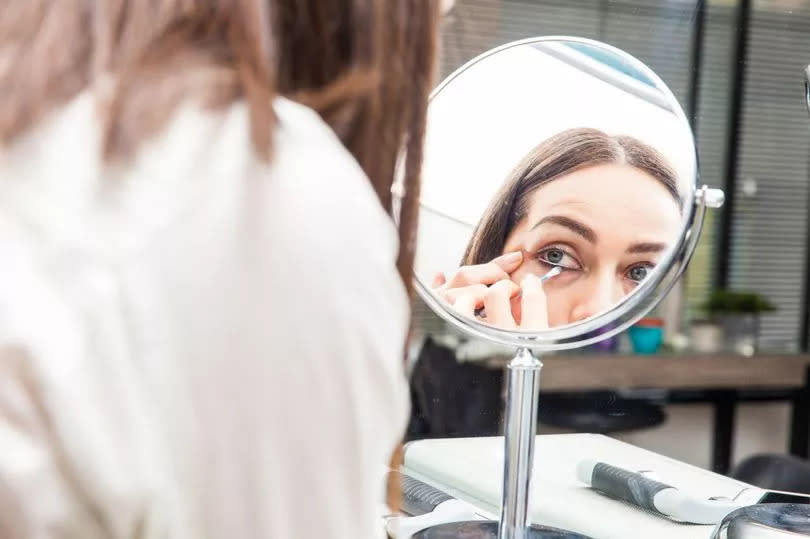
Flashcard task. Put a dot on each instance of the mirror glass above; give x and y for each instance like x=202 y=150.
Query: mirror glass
x=558 y=179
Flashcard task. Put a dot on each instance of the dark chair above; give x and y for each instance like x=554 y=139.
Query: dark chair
x=451 y=399
x=775 y=472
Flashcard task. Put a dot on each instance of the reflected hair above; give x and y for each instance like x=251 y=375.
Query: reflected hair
x=564 y=153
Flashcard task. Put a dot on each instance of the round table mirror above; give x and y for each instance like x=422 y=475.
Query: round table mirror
x=489 y=530
x=558 y=193
x=559 y=203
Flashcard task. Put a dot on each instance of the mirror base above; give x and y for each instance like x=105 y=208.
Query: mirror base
x=488 y=529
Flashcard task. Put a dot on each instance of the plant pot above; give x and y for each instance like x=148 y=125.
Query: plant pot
x=741 y=332
x=706 y=337
x=647 y=335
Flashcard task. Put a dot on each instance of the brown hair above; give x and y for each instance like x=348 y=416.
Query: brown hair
x=557 y=156
x=366 y=66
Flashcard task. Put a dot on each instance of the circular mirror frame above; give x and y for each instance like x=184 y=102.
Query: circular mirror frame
x=646 y=296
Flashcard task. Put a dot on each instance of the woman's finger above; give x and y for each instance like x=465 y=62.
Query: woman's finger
x=488 y=273
x=509 y=262
x=451 y=295
x=533 y=305
x=498 y=306
x=466 y=300
x=438 y=280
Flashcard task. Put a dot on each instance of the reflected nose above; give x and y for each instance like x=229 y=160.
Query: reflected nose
x=602 y=293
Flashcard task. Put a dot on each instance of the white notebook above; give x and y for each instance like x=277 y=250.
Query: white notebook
x=471 y=469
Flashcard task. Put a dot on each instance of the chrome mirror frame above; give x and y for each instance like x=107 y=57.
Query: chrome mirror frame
x=634 y=306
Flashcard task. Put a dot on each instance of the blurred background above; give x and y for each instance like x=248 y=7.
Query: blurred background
x=736 y=67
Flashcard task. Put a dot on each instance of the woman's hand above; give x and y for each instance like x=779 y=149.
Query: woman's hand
x=489 y=287
x=491 y=272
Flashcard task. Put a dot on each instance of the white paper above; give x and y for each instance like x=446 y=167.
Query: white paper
x=471 y=469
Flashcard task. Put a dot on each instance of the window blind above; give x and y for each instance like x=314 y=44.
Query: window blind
x=711 y=131
x=769 y=225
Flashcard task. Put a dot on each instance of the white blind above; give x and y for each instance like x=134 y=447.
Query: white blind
x=769 y=226
x=717 y=57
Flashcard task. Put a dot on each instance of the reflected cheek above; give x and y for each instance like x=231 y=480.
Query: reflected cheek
x=558 y=306
x=627 y=286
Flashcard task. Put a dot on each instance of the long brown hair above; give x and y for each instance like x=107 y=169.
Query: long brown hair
x=366 y=66
x=564 y=153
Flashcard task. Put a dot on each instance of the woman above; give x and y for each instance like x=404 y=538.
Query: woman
x=601 y=208
x=202 y=322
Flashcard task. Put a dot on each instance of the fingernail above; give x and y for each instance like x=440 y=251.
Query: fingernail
x=530 y=283
x=513 y=257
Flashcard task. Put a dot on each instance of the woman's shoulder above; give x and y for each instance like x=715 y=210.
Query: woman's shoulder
x=309 y=150
x=312 y=171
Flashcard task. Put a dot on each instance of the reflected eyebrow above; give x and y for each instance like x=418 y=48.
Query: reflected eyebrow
x=577 y=227
x=649 y=247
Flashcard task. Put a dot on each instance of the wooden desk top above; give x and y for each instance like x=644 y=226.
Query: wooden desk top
x=766 y=371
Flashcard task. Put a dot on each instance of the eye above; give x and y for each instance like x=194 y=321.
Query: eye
x=555 y=256
x=639 y=272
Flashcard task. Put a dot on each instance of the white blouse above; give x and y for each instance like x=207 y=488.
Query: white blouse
x=195 y=344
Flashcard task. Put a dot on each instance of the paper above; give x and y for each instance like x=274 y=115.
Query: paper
x=471 y=469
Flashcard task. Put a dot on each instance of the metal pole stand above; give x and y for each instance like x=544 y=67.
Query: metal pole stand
x=521 y=426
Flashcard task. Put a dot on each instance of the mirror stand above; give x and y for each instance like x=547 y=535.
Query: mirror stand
x=522 y=395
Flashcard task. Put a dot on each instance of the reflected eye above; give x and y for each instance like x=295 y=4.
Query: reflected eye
x=554 y=256
x=639 y=273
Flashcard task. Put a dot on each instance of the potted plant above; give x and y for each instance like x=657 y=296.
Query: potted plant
x=706 y=336
x=738 y=314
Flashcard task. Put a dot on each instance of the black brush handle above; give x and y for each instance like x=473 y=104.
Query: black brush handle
x=625 y=485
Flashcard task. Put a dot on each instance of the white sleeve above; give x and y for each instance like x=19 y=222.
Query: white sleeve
x=39 y=497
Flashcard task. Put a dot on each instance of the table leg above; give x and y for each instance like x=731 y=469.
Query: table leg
x=725 y=404
x=800 y=420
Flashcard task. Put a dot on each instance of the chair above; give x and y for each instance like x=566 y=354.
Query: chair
x=775 y=472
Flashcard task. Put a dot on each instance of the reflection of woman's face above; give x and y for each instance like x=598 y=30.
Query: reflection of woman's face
x=606 y=226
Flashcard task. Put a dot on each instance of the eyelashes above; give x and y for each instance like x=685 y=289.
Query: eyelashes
x=557 y=255
x=638 y=272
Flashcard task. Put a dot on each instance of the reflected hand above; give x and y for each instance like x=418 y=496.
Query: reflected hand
x=488 y=286
x=489 y=273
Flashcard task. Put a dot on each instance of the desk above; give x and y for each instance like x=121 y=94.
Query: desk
x=722 y=380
